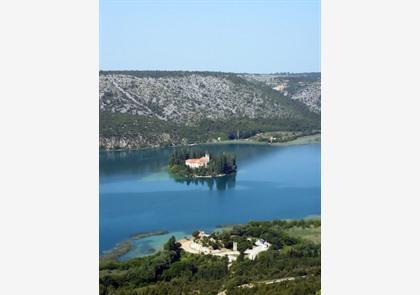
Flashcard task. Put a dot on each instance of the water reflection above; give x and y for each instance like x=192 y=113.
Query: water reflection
x=142 y=162
x=220 y=183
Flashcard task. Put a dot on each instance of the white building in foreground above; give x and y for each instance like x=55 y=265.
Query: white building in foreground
x=260 y=246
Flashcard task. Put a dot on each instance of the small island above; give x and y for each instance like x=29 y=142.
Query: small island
x=194 y=163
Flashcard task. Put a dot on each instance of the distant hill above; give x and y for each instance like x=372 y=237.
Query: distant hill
x=153 y=108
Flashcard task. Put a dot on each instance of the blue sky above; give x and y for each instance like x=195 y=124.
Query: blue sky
x=230 y=36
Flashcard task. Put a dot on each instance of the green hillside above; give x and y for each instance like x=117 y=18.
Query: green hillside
x=142 y=109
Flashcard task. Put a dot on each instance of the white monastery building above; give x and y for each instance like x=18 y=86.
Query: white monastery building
x=260 y=246
x=197 y=163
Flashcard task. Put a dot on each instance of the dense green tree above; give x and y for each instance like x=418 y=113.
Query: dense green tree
x=149 y=129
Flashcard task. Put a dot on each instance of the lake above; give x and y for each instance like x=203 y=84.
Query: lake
x=138 y=195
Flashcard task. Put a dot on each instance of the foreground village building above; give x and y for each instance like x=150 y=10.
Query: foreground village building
x=195 y=246
x=197 y=163
x=260 y=246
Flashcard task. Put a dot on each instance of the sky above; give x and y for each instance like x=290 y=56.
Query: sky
x=263 y=36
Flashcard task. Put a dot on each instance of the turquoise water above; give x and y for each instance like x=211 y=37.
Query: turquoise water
x=138 y=195
x=150 y=245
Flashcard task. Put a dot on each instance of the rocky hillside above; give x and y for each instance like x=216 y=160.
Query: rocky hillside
x=141 y=109
x=310 y=95
x=305 y=87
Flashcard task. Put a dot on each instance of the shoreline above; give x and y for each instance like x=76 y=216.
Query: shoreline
x=308 y=217
x=125 y=246
x=305 y=139
x=183 y=177
x=141 y=235
x=210 y=176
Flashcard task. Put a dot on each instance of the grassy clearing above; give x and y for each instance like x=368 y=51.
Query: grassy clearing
x=312 y=234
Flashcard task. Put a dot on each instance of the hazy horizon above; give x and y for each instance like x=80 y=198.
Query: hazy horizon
x=237 y=37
